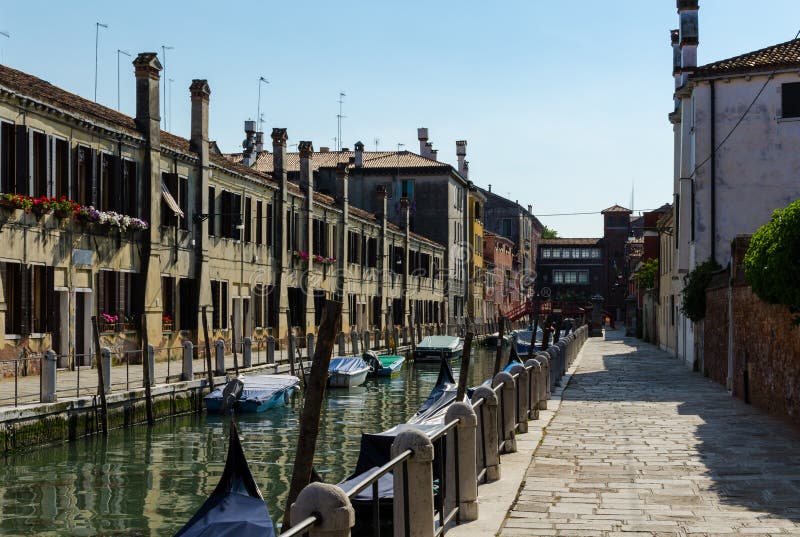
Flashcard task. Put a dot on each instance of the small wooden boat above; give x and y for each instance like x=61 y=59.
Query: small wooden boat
x=433 y=348
x=388 y=365
x=492 y=339
x=259 y=393
x=525 y=342
x=236 y=506
x=347 y=372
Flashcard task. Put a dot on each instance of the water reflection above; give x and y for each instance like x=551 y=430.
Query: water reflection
x=150 y=480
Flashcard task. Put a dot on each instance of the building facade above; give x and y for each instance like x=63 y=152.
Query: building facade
x=501 y=279
x=256 y=251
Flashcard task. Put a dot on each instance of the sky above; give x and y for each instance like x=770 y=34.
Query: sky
x=564 y=104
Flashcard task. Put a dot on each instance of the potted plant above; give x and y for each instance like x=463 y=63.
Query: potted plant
x=166 y=323
x=108 y=322
x=40 y=206
x=64 y=208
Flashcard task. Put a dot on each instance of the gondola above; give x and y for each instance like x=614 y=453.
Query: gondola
x=236 y=507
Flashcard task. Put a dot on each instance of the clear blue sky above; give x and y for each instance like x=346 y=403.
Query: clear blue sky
x=564 y=104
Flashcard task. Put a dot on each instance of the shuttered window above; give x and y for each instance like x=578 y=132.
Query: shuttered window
x=219 y=301
x=183 y=201
x=212 y=209
x=248 y=219
x=39 y=176
x=130 y=187
x=168 y=217
x=8 y=183
x=270 y=225
x=61 y=168
x=259 y=223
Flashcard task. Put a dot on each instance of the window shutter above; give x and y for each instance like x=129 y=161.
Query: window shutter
x=269 y=224
x=116 y=184
x=51 y=300
x=122 y=296
x=100 y=292
x=25 y=300
x=92 y=168
x=22 y=176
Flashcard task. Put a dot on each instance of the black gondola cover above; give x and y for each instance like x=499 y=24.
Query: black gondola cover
x=236 y=507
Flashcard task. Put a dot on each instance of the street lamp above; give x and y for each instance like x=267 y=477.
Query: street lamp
x=164 y=49
x=128 y=54
x=97 y=27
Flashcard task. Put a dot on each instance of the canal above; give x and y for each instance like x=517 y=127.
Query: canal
x=150 y=480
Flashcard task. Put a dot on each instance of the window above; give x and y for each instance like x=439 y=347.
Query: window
x=188 y=301
x=571 y=276
x=168 y=299
x=595 y=253
x=110 y=195
x=219 y=301
x=437 y=272
x=230 y=211
x=576 y=253
x=84 y=187
x=585 y=253
x=557 y=253
x=372 y=252
x=353 y=245
x=506 y=232
x=183 y=201
x=259 y=223
x=248 y=219
x=168 y=216
x=212 y=209
x=8 y=170
x=60 y=167
x=269 y=224
x=130 y=186
x=407 y=189
x=547 y=253
x=39 y=176
x=319 y=232
x=790 y=99
x=319 y=306
x=31 y=301
x=114 y=294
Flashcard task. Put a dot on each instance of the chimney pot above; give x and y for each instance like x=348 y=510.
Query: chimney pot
x=359 y=156
x=422 y=136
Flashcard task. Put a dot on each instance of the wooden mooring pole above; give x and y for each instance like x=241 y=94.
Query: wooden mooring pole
x=101 y=384
x=208 y=352
x=315 y=392
x=148 y=398
x=463 y=372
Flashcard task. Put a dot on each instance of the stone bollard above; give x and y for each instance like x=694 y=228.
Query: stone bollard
x=151 y=364
x=310 y=346
x=219 y=354
x=354 y=342
x=247 y=352
x=419 y=476
x=536 y=384
x=467 y=452
x=270 y=350
x=366 y=341
x=187 y=372
x=342 y=349
x=331 y=506
x=544 y=359
x=555 y=366
x=47 y=392
x=105 y=355
x=488 y=455
x=523 y=397
x=508 y=398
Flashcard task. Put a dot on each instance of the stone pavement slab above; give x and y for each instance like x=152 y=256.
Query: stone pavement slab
x=642 y=446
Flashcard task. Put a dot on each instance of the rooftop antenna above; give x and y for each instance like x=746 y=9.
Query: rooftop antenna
x=128 y=54
x=97 y=26
x=169 y=82
x=259 y=118
x=8 y=35
x=377 y=141
x=339 y=118
x=632 y=184
x=164 y=49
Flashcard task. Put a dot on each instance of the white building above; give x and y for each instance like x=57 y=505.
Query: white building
x=748 y=107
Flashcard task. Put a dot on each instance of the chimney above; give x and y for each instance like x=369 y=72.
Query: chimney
x=324 y=149
x=306 y=150
x=200 y=93
x=279 y=138
x=688 y=37
x=530 y=208
x=249 y=144
x=259 y=142
x=434 y=154
x=674 y=39
x=461 y=153
x=490 y=187
x=147 y=71
x=359 y=158
x=422 y=136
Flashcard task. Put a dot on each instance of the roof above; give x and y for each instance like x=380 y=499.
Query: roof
x=569 y=241
x=373 y=160
x=782 y=56
x=46 y=93
x=616 y=209
x=494 y=236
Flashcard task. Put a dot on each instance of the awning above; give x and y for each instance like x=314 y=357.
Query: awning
x=167 y=195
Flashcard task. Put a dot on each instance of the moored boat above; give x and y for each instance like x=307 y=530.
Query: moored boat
x=347 y=372
x=259 y=393
x=388 y=365
x=236 y=506
x=433 y=348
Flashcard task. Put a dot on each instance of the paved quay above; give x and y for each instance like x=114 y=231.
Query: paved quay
x=640 y=446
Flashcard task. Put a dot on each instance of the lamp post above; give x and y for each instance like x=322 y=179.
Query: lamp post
x=164 y=49
x=97 y=27
x=128 y=54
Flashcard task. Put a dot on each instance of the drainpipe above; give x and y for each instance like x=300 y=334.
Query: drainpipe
x=713 y=172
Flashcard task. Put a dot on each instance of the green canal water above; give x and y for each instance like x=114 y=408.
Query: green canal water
x=150 y=480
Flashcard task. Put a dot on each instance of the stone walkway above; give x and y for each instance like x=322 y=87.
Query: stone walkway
x=641 y=446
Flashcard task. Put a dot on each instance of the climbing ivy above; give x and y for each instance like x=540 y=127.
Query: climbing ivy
x=772 y=261
x=647 y=273
x=694 y=290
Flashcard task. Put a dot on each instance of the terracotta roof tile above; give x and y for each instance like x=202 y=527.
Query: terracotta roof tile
x=330 y=159
x=616 y=209
x=570 y=241
x=782 y=56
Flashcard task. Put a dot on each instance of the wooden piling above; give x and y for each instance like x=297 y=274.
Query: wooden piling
x=148 y=398
x=209 y=369
x=499 y=358
x=101 y=383
x=233 y=347
x=463 y=372
x=312 y=408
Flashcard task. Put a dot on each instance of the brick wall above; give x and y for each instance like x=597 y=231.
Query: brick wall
x=766 y=345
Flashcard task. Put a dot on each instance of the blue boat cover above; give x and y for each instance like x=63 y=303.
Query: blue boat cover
x=260 y=387
x=347 y=364
x=235 y=508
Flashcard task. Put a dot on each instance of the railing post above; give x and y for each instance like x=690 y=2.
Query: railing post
x=270 y=350
x=342 y=349
x=545 y=360
x=488 y=455
x=354 y=342
x=507 y=409
x=105 y=355
x=219 y=353
x=310 y=346
x=188 y=354
x=47 y=392
x=536 y=384
x=151 y=364
x=413 y=485
x=247 y=352
x=523 y=396
x=330 y=505
x=467 y=452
